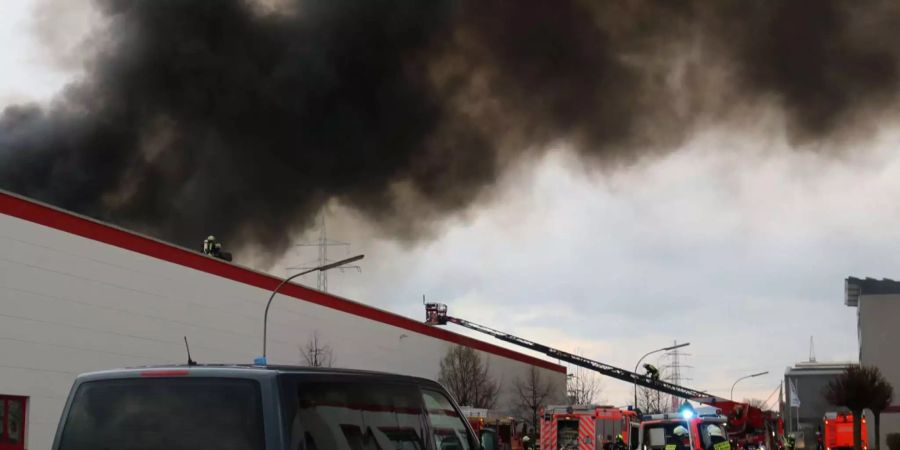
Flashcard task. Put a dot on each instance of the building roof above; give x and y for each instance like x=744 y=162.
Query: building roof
x=39 y=213
x=807 y=368
x=854 y=287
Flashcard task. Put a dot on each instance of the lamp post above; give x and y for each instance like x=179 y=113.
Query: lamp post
x=744 y=378
x=262 y=360
x=664 y=349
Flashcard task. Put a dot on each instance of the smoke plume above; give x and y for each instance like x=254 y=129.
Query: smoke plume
x=228 y=117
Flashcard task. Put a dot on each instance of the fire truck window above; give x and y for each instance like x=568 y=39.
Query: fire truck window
x=661 y=436
x=657 y=437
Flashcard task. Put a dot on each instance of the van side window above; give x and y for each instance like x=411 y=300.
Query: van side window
x=356 y=416
x=448 y=428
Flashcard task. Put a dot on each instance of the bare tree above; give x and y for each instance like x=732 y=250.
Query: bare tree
x=651 y=401
x=532 y=393
x=584 y=387
x=858 y=388
x=317 y=354
x=466 y=377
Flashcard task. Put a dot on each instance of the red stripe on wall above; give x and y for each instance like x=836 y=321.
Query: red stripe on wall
x=893 y=409
x=49 y=216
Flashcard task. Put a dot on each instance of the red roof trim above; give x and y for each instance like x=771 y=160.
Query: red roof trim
x=88 y=228
x=893 y=409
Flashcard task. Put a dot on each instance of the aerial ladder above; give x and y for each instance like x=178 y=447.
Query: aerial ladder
x=739 y=414
x=436 y=314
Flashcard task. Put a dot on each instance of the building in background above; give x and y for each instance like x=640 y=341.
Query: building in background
x=877 y=304
x=77 y=295
x=805 y=382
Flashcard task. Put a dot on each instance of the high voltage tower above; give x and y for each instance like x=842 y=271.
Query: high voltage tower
x=323 y=243
x=673 y=371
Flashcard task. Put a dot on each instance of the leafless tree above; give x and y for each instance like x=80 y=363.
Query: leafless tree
x=467 y=377
x=317 y=354
x=583 y=386
x=532 y=393
x=651 y=401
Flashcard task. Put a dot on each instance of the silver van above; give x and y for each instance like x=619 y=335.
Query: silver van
x=259 y=408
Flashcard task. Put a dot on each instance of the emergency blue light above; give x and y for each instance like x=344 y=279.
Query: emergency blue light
x=686 y=411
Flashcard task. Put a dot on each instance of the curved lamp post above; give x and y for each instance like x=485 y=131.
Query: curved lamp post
x=262 y=360
x=744 y=378
x=664 y=349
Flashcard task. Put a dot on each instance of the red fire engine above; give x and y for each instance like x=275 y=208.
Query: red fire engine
x=586 y=427
x=838 y=431
x=687 y=429
x=504 y=430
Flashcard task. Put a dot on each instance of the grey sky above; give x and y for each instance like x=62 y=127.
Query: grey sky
x=736 y=242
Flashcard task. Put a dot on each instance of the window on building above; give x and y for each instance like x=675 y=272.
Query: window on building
x=12 y=422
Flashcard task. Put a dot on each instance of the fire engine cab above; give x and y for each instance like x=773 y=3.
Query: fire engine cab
x=687 y=429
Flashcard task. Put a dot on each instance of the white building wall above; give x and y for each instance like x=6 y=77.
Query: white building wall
x=879 y=337
x=69 y=305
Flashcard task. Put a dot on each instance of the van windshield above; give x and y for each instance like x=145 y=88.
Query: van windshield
x=165 y=413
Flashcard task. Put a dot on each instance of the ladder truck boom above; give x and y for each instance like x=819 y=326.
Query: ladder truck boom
x=436 y=314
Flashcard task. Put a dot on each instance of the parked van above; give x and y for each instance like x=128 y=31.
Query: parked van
x=259 y=408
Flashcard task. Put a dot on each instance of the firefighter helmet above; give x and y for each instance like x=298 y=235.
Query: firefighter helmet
x=715 y=431
x=680 y=431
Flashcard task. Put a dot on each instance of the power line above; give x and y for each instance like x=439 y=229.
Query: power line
x=777 y=388
x=323 y=243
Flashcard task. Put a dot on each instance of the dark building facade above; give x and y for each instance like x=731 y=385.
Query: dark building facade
x=809 y=379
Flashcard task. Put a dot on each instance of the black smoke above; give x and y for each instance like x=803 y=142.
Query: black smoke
x=225 y=117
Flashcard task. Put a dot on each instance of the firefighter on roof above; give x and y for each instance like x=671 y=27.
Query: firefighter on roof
x=213 y=248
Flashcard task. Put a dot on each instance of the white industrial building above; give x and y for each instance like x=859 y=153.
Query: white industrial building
x=877 y=304
x=77 y=295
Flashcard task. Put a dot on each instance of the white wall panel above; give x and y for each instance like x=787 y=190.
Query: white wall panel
x=69 y=304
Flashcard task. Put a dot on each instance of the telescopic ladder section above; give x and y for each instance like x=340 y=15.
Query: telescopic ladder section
x=436 y=314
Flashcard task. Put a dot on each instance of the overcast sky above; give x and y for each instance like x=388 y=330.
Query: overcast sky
x=736 y=242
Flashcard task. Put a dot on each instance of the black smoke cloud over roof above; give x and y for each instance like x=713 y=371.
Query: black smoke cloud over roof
x=199 y=116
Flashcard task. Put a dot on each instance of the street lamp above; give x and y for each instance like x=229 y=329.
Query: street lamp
x=744 y=378
x=262 y=360
x=664 y=349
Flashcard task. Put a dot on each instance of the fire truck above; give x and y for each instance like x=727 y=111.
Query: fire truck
x=505 y=431
x=838 y=431
x=688 y=429
x=586 y=427
x=748 y=427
